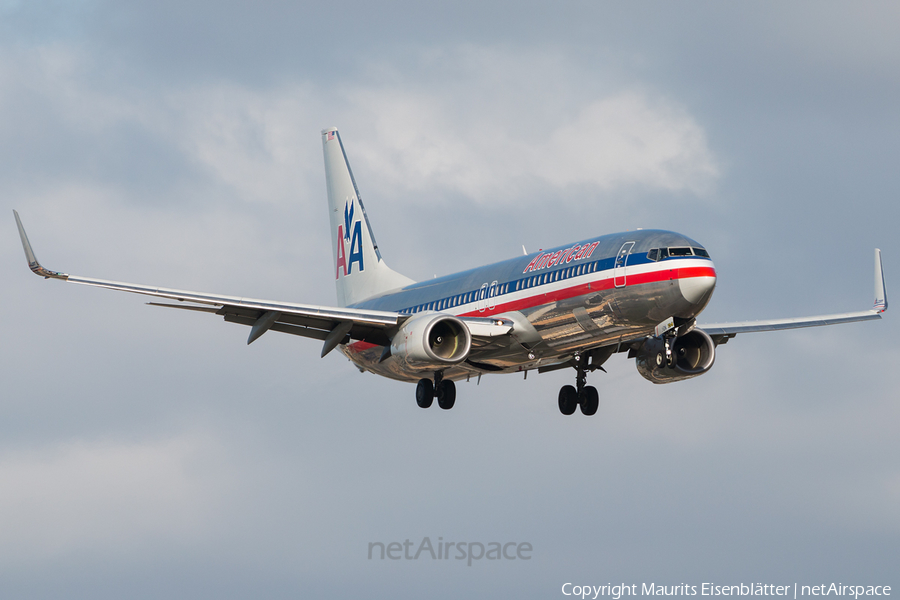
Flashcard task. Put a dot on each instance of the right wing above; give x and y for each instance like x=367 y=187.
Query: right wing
x=332 y=325
x=722 y=332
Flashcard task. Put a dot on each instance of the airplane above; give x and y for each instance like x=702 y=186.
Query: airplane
x=569 y=307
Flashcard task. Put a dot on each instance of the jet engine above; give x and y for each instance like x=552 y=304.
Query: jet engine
x=692 y=354
x=432 y=342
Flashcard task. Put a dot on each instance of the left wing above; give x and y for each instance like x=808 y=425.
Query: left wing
x=722 y=332
x=332 y=325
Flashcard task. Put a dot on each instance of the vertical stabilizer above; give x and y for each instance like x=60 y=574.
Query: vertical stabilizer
x=360 y=272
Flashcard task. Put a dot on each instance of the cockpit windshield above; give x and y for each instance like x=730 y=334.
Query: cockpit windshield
x=657 y=254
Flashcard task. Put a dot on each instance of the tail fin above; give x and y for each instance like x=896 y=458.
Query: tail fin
x=360 y=272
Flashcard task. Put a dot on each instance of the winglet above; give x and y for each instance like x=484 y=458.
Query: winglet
x=881 y=302
x=33 y=263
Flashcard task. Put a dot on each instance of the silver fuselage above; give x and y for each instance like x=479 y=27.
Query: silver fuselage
x=575 y=304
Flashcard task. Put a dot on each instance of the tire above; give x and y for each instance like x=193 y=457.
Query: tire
x=660 y=359
x=590 y=402
x=447 y=394
x=424 y=393
x=568 y=400
x=672 y=361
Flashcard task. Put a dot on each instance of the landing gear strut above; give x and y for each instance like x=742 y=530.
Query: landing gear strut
x=671 y=359
x=583 y=395
x=443 y=390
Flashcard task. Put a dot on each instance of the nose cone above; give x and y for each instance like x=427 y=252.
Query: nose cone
x=698 y=290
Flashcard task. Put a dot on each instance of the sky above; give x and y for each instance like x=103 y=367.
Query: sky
x=146 y=454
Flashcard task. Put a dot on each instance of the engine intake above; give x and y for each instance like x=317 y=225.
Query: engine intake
x=429 y=342
x=694 y=354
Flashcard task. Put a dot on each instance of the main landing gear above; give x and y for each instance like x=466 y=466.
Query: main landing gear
x=444 y=391
x=585 y=396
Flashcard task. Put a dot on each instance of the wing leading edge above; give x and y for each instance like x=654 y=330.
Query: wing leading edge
x=336 y=326
x=722 y=332
x=331 y=325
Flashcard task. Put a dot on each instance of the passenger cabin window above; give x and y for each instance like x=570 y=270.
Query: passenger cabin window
x=701 y=252
x=680 y=252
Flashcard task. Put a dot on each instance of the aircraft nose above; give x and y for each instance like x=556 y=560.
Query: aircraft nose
x=698 y=290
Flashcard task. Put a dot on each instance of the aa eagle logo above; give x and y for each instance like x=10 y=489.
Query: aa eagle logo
x=350 y=232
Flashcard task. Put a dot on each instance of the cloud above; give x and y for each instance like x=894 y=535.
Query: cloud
x=505 y=121
x=262 y=143
x=623 y=140
x=110 y=496
x=421 y=139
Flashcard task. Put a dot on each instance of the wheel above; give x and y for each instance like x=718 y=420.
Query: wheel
x=672 y=361
x=590 y=401
x=424 y=393
x=568 y=399
x=668 y=354
x=660 y=359
x=447 y=394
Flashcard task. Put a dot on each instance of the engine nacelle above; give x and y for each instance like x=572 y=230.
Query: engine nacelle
x=693 y=353
x=432 y=342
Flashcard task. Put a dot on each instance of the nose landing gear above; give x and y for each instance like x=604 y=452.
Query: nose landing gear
x=585 y=396
x=443 y=390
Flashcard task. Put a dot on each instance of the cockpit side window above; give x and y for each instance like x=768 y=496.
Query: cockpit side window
x=653 y=254
x=701 y=252
x=663 y=253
